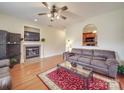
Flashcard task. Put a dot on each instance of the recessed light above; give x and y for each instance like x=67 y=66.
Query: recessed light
x=35 y=20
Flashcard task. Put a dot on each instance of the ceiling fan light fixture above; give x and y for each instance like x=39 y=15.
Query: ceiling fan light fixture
x=49 y=15
x=52 y=18
x=58 y=17
x=56 y=14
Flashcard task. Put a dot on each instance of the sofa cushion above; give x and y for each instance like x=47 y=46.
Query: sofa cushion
x=74 y=57
x=84 y=60
x=99 y=69
x=76 y=51
x=99 y=63
x=99 y=58
x=86 y=56
x=104 y=53
x=83 y=64
x=87 y=52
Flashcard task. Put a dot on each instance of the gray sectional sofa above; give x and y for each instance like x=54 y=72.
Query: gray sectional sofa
x=5 y=77
x=102 y=61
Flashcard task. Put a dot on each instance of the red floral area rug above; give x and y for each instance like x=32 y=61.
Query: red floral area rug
x=68 y=80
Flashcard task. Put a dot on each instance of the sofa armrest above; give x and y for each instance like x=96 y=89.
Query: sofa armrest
x=4 y=62
x=112 y=67
x=112 y=62
x=67 y=54
x=71 y=54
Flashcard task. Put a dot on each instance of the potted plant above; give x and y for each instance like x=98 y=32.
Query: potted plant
x=43 y=40
x=13 y=61
x=121 y=69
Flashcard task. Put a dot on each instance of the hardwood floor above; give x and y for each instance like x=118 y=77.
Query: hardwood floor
x=120 y=78
x=24 y=76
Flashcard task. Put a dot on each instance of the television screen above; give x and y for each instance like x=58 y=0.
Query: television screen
x=31 y=36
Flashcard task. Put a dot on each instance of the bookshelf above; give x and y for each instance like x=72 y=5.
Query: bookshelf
x=89 y=39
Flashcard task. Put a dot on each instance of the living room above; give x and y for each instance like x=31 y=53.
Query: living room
x=38 y=39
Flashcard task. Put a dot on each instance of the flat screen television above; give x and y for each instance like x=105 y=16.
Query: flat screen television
x=31 y=36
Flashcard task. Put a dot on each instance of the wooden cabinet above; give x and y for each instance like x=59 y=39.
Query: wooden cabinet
x=14 y=46
x=13 y=38
x=3 y=46
x=10 y=45
x=89 y=39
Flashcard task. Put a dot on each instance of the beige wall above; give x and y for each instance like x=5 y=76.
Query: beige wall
x=55 y=43
x=110 y=32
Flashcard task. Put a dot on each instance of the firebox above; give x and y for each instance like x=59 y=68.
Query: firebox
x=32 y=51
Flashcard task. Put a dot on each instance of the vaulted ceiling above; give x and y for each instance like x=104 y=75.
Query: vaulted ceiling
x=77 y=11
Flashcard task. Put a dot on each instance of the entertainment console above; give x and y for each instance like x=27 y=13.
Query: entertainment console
x=10 y=44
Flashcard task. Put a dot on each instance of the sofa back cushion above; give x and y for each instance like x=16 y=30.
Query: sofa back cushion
x=76 y=51
x=87 y=52
x=104 y=53
x=99 y=58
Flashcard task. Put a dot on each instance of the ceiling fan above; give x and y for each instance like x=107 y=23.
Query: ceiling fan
x=54 y=12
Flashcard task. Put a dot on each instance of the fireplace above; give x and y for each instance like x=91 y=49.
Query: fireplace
x=32 y=51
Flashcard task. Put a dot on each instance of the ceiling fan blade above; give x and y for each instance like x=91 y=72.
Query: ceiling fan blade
x=63 y=17
x=42 y=14
x=64 y=8
x=46 y=4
